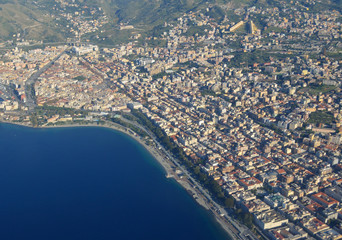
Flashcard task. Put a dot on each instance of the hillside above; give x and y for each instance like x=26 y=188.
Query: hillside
x=22 y=18
x=44 y=19
x=157 y=11
x=154 y=11
x=37 y=19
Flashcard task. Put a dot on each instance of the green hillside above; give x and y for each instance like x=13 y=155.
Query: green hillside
x=36 y=19
x=156 y=11
x=22 y=18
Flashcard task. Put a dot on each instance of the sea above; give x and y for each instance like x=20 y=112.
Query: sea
x=91 y=183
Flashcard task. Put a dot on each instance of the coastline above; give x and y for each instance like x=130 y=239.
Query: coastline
x=168 y=166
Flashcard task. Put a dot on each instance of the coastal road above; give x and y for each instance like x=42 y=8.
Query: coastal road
x=29 y=85
x=236 y=230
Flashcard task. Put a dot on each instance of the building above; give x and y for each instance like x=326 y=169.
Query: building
x=289 y=231
x=269 y=219
x=327 y=214
x=335 y=192
x=329 y=234
x=324 y=199
x=255 y=205
x=276 y=200
x=134 y=105
x=313 y=225
x=250 y=183
x=83 y=50
x=236 y=26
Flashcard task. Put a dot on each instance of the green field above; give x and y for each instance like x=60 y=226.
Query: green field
x=317 y=89
x=321 y=117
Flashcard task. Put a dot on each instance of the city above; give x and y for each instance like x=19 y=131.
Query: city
x=256 y=109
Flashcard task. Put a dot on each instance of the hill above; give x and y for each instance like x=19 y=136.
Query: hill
x=44 y=19
x=37 y=19
x=157 y=11
x=22 y=18
x=154 y=11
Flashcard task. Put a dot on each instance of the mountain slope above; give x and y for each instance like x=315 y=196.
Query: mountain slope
x=36 y=19
x=153 y=11
x=17 y=18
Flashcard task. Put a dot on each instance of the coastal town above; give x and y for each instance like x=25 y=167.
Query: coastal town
x=253 y=100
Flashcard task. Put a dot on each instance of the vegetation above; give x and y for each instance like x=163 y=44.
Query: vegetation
x=214 y=188
x=208 y=92
x=156 y=43
x=197 y=30
x=216 y=13
x=25 y=18
x=142 y=70
x=245 y=217
x=321 y=117
x=188 y=64
x=50 y=111
x=159 y=75
x=31 y=91
x=109 y=36
x=274 y=29
x=151 y=12
x=316 y=89
x=336 y=56
x=247 y=59
x=33 y=18
x=20 y=15
x=80 y=78
x=102 y=59
x=130 y=126
x=34 y=120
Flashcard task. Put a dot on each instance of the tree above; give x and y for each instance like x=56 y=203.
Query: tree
x=248 y=219
x=229 y=202
x=214 y=186
x=196 y=170
x=34 y=120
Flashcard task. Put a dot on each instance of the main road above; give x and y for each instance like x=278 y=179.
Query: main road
x=29 y=85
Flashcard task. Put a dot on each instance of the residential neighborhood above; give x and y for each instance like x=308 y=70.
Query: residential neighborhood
x=257 y=109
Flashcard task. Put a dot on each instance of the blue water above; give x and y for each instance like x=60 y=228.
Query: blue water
x=91 y=183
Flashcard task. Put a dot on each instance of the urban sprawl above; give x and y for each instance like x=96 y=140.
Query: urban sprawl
x=256 y=108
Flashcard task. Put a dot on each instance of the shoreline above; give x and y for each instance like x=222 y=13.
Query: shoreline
x=167 y=165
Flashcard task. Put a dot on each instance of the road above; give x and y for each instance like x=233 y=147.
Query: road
x=29 y=85
x=7 y=92
x=242 y=232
